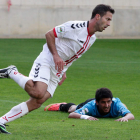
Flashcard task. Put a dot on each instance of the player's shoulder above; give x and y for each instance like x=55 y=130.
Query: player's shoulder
x=92 y=102
x=116 y=101
x=76 y=24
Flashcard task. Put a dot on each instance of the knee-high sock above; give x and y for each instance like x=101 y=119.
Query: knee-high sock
x=20 y=79
x=65 y=107
x=15 y=113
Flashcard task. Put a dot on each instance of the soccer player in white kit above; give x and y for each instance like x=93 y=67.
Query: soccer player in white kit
x=65 y=44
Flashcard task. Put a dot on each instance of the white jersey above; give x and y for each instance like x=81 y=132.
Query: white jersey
x=72 y=40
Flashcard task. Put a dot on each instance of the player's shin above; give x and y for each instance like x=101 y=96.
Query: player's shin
x=15 y=113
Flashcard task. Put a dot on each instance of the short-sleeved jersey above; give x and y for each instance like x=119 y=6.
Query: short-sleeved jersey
x=117 y=109
x=72 y=40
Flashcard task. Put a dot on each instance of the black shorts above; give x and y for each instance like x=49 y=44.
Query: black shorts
x=82 y=104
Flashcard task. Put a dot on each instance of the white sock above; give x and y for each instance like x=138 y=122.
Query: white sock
x=20 y=79
x=15 y=113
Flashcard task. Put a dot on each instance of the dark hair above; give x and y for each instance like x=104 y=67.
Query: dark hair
x=103 y=93
x=101 y=9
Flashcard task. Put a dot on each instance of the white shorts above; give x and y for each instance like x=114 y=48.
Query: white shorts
x=45 y=72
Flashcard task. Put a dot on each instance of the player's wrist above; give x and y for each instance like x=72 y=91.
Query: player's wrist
x=85 y=117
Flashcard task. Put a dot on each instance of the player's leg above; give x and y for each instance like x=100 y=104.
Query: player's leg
x=72 y=108
x=26 y=83
x=21 y=110
x=83 y=103
x=33 y=103
x=15 y=113
x=35 y=90
x=64 y=107
x=38 y=73
x=54 y=106
x=12 y=72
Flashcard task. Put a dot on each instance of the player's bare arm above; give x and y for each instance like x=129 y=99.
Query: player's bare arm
x=128 y=116
x=79 y=116
x=50 y=38
x=74 y=115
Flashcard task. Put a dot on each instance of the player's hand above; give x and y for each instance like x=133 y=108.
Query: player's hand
x=92 y=119
x=123 y=119
x=63 y=79
x=59 y=63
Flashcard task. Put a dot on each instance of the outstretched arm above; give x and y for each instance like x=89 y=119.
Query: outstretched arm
x=79 y=116
x=50 y=38
x=128 y=116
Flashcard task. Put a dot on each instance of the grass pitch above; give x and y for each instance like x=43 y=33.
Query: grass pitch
x=114 y=64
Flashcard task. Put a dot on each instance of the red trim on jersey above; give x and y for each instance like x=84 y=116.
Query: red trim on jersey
x=88 y=32
x=71 y=59
x=54 y=32
x=86 y=43
x=80 y=51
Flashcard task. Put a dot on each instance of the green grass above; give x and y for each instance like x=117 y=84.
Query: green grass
x=108 y=63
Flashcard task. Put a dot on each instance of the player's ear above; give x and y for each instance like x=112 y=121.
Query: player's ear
x=96 y=103
x=97 y=16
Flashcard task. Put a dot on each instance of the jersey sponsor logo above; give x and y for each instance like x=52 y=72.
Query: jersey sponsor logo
x=61 y=29
x=78 y=25
x=85 y=111
x=80 y=41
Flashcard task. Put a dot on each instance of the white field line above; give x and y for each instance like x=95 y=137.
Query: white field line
x=15 y=102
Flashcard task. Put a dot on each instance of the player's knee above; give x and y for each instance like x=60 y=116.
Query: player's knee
x=37 y=94
x=35 y=91
x=40 y=94
x=72 y=108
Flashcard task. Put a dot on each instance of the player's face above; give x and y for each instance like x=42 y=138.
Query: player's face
x=104 y=105
x=104 y=22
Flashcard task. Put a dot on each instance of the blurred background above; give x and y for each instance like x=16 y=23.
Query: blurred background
x=33 y=18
